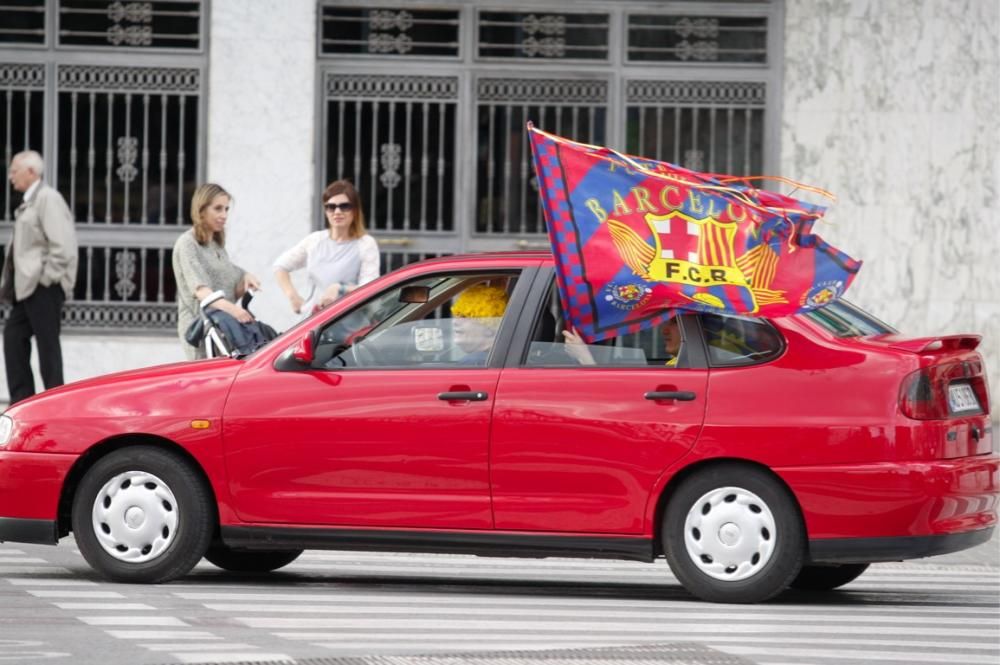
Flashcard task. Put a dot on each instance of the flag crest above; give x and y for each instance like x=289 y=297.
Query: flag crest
x=635 y=238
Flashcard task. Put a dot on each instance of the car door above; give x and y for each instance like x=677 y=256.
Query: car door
x=387 y=427
x=579 y=448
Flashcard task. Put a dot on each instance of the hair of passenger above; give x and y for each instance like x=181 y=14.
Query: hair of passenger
x=480 y=301
x=202 y=198
x=347 y=188
x=31 y=160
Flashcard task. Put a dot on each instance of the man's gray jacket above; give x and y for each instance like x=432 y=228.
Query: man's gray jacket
x=44 y=245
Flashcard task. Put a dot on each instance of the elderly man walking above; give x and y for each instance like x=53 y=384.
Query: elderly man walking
x=38 y=275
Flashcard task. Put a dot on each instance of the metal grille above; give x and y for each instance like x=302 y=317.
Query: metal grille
x=506 y=189
x=23 y=90
x=128 y=142
x=566 y=36
x=391 y=259
x=705 y=126
x=659 y=38
x=441 y=155
x=395 y=138
x=389 y=31
x=173 y=24
x=122 y=144
x=22 y=22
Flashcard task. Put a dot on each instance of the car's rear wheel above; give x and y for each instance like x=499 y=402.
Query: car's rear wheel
x=142 y=514
x=250 y=561
x=825 y=578
x=732 y=534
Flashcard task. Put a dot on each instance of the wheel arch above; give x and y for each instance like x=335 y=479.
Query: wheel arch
x=680 y=476
x=105 y=448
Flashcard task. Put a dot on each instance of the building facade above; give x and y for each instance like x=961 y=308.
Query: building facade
x=423 y=105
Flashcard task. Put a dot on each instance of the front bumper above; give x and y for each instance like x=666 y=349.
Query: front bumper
x=37 y=532
x=30 y=487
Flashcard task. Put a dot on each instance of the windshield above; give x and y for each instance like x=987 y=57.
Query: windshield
x=846 y=320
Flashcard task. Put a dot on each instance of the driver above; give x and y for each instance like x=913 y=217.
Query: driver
x=478 y=311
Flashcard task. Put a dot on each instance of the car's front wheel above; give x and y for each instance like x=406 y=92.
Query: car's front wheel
x=732 y=534
x=825 y=578
x=250 y=561
x=142 y=514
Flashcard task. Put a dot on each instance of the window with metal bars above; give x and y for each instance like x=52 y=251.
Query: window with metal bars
x=125 y=147
x=660 y=81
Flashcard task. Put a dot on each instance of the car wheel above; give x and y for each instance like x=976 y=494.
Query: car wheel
x=825 y=578
x=143 y=514
x=250 y=561
x=733 y=534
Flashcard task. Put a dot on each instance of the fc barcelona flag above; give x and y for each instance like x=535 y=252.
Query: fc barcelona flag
x=634 y=238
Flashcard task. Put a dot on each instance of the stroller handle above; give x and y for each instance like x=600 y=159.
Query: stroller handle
x=212 y=297
x=247 y=297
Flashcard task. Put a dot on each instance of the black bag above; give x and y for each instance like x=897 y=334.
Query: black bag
x=195 y=332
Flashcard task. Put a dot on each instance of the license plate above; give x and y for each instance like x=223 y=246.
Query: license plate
x=962 y=399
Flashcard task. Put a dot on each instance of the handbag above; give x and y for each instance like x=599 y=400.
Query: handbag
x=195 y=332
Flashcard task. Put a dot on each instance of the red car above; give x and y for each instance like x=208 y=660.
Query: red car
x=441 y=409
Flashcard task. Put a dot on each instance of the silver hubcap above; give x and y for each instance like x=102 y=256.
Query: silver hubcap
x=730 y=534
x=135 y=517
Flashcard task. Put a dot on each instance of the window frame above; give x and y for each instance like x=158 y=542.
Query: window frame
x=694 y=352
x=524 y=276
x=747 y=362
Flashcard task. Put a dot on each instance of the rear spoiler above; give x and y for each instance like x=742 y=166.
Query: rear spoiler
x=938 y=344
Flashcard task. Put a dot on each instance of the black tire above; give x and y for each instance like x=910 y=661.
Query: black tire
x=826 y=578
x=747 y=541
x=143 y=514
x=250 y=561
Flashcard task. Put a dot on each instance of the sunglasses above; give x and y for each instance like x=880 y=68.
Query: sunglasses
x=342 y=207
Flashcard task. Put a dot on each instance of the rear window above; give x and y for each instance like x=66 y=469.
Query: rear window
x=734 y=341
x=846 y=320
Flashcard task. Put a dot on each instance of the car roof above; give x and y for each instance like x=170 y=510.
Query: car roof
x=486 y=257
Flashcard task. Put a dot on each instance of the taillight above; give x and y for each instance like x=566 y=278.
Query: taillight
x=943 y=391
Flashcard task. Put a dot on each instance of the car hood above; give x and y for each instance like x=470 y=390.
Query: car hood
x=195 y=389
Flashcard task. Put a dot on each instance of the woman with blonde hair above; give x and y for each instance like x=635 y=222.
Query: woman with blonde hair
x=202 y=265
x=337 y=259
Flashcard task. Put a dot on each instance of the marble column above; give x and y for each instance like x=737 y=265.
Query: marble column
x=262 y=134
x=893 y=106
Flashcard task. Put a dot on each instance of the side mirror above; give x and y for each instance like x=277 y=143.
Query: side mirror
x=304 y=350
x=415 y=294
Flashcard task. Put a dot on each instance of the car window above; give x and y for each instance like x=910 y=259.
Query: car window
x=549 y=347
x=846 y=320
x=739 y=340
x=439 y=321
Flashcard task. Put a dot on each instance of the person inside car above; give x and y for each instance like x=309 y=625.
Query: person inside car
x=670 y=331
x=477 y=313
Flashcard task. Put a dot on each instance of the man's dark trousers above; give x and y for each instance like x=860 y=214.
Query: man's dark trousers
x=39 y=315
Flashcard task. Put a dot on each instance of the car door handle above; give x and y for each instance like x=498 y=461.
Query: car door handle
x=464 y=396
x=679 y=395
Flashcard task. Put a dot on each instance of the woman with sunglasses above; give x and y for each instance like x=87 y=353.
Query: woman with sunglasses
x=337 y=260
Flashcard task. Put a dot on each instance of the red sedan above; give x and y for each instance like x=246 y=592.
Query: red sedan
x=443 y=408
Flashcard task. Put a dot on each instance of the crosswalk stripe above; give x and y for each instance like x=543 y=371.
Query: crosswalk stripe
x=234 y=657
x=382 y=598
x=127 y=620
x=48 y=581
x=163 y=634
x=107 y=607
x=548 y=615
x=868 y=656
x=69 y=593
x=30 y=570
x=199 y=646
x=305 y=625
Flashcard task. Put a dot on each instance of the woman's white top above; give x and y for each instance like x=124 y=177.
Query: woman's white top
x=328 y=261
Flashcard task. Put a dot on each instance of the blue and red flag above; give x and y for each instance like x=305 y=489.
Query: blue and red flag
x=634 y=238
